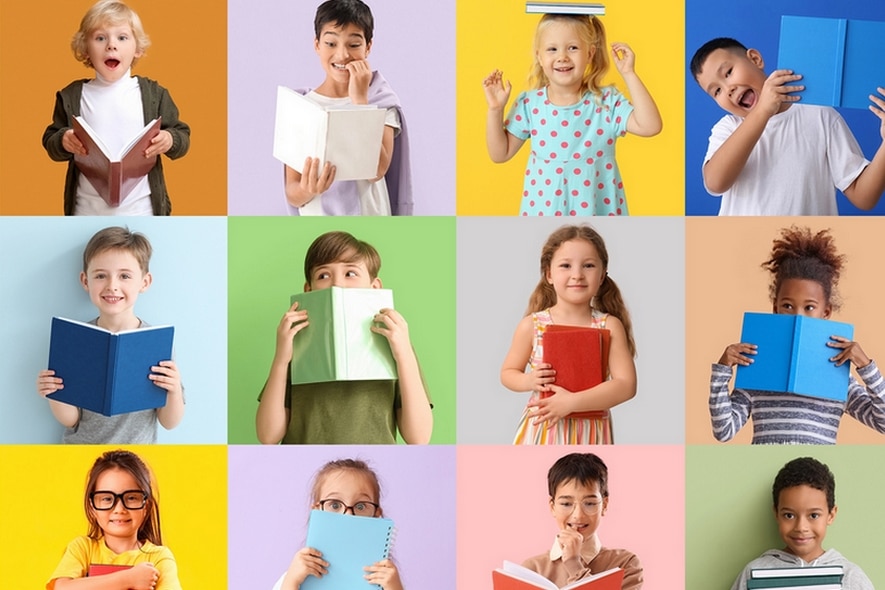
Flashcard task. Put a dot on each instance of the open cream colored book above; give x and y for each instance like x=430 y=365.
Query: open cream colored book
x=348 y=136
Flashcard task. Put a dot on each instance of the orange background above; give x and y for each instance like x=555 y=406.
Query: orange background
x=724 y=279
x=188 y=56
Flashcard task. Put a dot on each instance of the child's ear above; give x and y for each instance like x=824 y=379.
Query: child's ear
x=376 y=283
x=832 y=515
x=827 y=311
x=368 y=48
x=604 y=505
x=756 y=58
x=307 y=287
x=146 y=281
x=84 y=281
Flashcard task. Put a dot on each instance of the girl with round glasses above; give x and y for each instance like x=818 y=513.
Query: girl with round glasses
x=345 y=486
x=123 y=544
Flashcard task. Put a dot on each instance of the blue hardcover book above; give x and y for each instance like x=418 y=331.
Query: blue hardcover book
x=107 y=372
x=793 y=356
x=348 y=543
x=833 y=57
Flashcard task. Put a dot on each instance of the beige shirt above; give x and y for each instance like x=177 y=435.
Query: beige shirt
x=593 y=560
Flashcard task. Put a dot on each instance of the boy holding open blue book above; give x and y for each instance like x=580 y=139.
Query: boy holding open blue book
x=344 y=411
x=804 y=494
x=115 y=272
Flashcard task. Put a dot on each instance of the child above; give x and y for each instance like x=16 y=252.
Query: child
x=341 y=486
x=805 y=270
x=115 y=272
x=572 y=168
x=123 y=510
x=574 y=289
x=343 y=31
x=344 y=411
x=804 y=494
x=578 y=487
x=769 y=156
x=117 y=106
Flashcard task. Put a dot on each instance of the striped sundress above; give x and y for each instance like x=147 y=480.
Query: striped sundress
x=592 y=428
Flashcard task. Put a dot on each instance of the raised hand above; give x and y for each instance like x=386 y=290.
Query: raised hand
x=293 y=321
x=776 y=91
x=497 y=91
x=850 y=352
x=623 y=57
x=736 y=354
x=360 y=77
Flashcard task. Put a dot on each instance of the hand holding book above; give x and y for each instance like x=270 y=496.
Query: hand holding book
x=850 y=352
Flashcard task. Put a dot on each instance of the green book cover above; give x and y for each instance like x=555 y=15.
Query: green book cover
x=338 y=344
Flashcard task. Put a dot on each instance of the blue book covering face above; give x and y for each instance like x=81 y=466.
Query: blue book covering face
x=349 y=543
x=832 y=55
x=108 y=373
x=792 y=356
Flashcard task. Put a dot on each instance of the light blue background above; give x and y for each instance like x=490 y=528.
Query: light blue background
x=40 y=262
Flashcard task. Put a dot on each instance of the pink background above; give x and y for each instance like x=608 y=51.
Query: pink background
x=503 y=508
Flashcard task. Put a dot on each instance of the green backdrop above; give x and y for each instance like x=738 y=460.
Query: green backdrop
x=729 y=519
x=266 y=266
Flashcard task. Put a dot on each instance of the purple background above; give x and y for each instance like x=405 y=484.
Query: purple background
x=269 y=503
x=272 y=44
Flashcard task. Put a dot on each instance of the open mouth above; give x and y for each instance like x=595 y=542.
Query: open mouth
x=747 y=99
x=112 y=63
x=339 y=66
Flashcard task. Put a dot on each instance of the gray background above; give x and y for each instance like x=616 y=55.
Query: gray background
x=498 y=267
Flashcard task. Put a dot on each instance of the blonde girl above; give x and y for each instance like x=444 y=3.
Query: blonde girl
x=342 y=486
x=574 y=289
x=123 y=510
x=572 y=120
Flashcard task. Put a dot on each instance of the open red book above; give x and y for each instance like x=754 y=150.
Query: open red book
x=579 y=355
x=114 y=175
x=517 y=577
x=100 y=569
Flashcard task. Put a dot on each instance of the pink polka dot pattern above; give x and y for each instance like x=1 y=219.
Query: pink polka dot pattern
x=571 y=169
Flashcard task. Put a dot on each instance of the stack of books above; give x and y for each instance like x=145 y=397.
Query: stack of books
x=797 y=578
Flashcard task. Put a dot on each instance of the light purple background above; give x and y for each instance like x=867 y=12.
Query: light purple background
x=269 y=503
x=272 y=44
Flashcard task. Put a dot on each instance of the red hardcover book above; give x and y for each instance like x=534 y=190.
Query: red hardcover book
x=114 y=175
x=100 y=569
x=579 y=355
x=517 y=577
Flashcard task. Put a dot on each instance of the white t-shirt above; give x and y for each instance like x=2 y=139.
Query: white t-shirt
x=374 y=199
x=804 y=154
x=114 y=110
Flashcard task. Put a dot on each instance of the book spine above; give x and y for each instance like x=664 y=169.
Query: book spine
x=795 y=351
x=388 y=543
x=108 y=401
x=841 y=40
x=339 y=333
x=115 y=183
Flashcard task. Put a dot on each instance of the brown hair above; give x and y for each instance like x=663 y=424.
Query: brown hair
x=339 y=246
x=119 y=238
x=354 y=465
x=800 y=254
x=115 y=13
x=607 y=300
x=584 y=468
x=132 y=464
x=591 y=32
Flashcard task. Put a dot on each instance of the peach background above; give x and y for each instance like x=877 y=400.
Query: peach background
x=504 y=511
x=724 y=279
x=188 y=57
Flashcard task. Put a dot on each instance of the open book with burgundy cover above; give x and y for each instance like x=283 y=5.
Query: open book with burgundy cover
x=100 y=569
x=579 y=355
x=114 y=175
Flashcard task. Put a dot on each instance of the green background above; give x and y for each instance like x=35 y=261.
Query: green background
x=266 y=267
x=729 y=518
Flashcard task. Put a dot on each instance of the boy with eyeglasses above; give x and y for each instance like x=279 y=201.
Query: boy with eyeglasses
x=578 y=487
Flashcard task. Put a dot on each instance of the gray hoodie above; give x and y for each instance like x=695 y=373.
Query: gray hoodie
x=853 y=577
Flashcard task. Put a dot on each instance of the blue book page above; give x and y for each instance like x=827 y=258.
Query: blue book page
x=814 y=374
x=135 y=353
x=814 y=47
x=773 y=336
x=348 y=543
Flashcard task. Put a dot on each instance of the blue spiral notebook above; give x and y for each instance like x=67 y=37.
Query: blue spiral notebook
x=348 y=543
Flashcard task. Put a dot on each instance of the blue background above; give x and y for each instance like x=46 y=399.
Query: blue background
x=756 y=24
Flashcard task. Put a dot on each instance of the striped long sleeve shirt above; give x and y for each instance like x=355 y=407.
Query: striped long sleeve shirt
x=784 y=418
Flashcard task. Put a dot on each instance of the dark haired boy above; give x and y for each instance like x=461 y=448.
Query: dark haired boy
x=344 y=412
x=769 y=156
x=344 y=30
x=578 y=488
x=804 y=495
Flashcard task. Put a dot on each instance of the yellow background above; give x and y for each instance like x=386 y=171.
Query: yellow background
x=41 y=508
x=499 y=35
x=188 y=56
x=724 y=278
